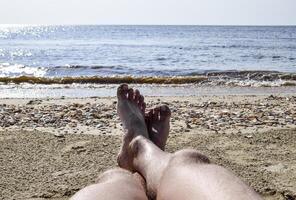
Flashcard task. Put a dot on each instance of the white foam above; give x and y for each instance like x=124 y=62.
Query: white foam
x=255 y=83
x=14 y=70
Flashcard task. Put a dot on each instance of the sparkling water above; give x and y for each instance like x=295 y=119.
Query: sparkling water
x=47 y=51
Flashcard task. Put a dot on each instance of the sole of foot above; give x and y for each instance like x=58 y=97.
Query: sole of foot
x=158 y=125
x=131 y=109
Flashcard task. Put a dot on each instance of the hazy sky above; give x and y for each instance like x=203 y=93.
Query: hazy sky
x=199 y=12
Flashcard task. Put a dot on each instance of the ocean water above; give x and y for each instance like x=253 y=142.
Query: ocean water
x=75 y=51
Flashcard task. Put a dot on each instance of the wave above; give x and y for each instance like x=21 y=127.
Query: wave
x=17 y=70
x=81 y=74
x=227 y=78
x=85 y=67
x=10 y=70
x=252 y=75
x=251 y=78
x=103 y=80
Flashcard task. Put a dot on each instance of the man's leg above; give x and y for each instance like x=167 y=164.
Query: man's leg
x=114 y=184
x=184 y=175
x=119 y=183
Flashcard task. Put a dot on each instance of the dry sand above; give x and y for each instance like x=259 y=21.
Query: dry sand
x=53 y=160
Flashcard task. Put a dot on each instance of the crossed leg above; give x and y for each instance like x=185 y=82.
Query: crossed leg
x=119 y=183
x=186 y=174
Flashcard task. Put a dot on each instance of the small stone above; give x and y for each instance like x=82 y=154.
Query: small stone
x=188 y=125
x=32 y=102
x=11 y=121
x=72 y=125
x=59 y=135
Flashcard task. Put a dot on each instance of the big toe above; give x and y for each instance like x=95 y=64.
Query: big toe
x=155 y=114
x=165 y=112
x=122 y=91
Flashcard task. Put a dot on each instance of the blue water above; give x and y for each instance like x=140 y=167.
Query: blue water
x=143 y=50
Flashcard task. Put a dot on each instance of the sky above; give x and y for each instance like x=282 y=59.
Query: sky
x=158 y=12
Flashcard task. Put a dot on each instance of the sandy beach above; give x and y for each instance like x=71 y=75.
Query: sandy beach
x=225 y=69
x=51 y=148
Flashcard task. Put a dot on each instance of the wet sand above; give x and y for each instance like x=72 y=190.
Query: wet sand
x=52 y=148
x=163 y=90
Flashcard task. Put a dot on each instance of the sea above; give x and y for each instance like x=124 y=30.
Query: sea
x=87 y=56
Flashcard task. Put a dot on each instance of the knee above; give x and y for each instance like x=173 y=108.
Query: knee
x=189 y=156
x=113 y=174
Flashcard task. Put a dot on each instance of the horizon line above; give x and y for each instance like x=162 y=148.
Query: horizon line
x=90 y=24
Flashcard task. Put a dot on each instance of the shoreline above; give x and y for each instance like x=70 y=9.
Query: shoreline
x=56 y=91
x=54 y=147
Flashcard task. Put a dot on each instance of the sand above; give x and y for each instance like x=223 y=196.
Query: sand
x=53 y=162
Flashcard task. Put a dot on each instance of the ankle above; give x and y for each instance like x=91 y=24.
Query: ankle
x=150 y=162
x=137 y=144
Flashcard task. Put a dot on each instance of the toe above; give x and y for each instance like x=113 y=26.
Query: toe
x=150 y=114
x=137 y=96
x=122 y=91
x=141 y=99
x=156 y=112
x=147 y=120
x=131 y=94
x=143 y=107
x=165 y=112
x=140 y=102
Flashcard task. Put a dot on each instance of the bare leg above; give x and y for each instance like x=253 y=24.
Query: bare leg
x=119 y=183
x=184 y=175
x=154 y=125
x=132 y=117
x=113 y=185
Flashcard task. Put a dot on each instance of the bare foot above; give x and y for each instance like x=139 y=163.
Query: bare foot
x=130 y=108
x=158 y=125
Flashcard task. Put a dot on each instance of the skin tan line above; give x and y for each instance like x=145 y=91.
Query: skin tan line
x=148 y=172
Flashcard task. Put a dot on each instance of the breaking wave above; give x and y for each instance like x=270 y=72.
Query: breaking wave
x=9 y=70
x=227 y=78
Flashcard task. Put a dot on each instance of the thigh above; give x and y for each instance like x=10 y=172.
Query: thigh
x=113 y=185
x=178 y=180
x=190 y=176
